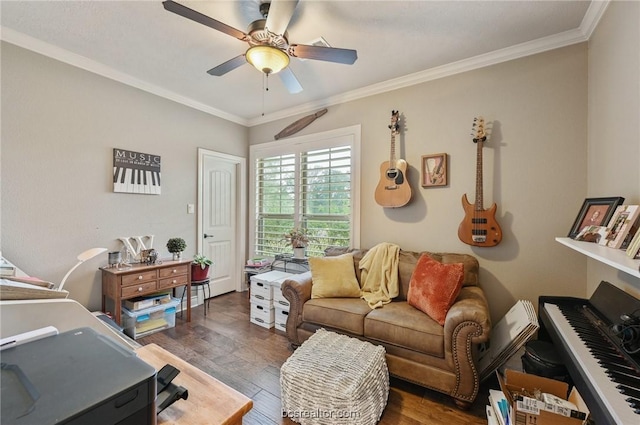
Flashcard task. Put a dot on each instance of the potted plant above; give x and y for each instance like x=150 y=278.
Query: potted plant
x=299 y=240
x=200 y=267
x=176 y=246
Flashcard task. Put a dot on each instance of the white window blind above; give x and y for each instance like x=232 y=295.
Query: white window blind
x=312 y=187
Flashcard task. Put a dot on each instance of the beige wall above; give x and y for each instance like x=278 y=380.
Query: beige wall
x=535 y=166
x=548 y=151
x=614 y=120
x=59 y=127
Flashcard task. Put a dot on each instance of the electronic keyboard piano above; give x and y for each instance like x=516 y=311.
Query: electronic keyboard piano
x=599 y=341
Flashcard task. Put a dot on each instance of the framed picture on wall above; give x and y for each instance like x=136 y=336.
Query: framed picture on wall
x=595 y=212
x=136 y=172
x=434 y=170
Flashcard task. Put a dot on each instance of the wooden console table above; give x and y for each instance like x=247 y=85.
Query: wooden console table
x=210 y=402
x=141 y=279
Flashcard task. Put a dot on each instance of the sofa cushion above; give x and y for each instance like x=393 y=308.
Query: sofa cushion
x=407 y=262
x=400 y=324
x=345 y=314
x=434 y=287
x=333 y=277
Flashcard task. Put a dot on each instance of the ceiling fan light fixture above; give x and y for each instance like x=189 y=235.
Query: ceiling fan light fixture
x=267 y=59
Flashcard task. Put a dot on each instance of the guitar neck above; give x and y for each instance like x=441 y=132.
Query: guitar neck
x=392 y=154
x=479 y=201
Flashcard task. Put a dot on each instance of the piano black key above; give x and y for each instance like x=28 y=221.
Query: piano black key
x=631 y=392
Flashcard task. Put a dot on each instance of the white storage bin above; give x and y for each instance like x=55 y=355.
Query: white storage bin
x=260 y=290
x=279 y=301
x=281 y=318
x=271 y=276
x=144 y=322
x=262 y=313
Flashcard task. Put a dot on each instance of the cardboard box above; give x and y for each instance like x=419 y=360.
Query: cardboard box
x=529 y=411
x=141 y=303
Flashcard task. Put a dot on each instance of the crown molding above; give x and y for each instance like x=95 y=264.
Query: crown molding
x=79 y=61
x=492 y=58
x=592 y=17
x=583 y=33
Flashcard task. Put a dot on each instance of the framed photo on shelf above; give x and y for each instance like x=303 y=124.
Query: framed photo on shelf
x=624 y=218
x=595 y=212
x=434 y=170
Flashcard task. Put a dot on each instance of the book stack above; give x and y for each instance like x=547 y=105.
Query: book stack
x=507 y=337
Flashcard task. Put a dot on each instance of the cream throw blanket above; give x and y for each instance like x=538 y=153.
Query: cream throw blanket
x=379 y=274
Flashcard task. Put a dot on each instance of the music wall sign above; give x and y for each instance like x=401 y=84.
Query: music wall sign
x=136 y=172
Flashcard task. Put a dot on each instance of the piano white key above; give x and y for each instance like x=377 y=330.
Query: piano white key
x=147 y=182
x=615 y=402
x=127 y=180
x=118 y=185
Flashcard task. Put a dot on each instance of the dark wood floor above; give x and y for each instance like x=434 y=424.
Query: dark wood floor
x=248 y=358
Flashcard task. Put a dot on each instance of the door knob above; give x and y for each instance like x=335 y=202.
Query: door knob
x=207 y=236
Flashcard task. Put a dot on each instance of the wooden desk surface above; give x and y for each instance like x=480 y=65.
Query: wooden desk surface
x=210 y=401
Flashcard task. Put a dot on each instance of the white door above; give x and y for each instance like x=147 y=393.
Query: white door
x=221 y=215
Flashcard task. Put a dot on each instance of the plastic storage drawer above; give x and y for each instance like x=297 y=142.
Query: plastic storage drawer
x=144 y=322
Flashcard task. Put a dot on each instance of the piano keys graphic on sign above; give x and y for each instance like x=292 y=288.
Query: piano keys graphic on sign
x=136 y=172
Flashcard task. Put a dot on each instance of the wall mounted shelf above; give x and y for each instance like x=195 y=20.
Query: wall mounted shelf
x=613 y=257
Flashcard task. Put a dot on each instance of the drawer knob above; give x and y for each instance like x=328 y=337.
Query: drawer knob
x=140 y=277
x=140 y=289
x=175 y=281
x=175 y=271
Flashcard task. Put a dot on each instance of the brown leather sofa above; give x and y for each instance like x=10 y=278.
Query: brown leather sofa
x=418 y=349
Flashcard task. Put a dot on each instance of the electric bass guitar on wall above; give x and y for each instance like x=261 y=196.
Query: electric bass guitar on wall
x=479 y=226
x=393 y=189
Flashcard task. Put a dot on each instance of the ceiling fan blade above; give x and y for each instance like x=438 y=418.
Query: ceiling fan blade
x=227 y=66
x=280 y=13
x=290 y=81
x=330 y=54
x=185 y=12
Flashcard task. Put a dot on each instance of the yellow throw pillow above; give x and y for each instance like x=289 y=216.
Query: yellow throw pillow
x=334 y=277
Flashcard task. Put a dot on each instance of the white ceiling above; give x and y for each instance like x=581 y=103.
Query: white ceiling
x=399 y=43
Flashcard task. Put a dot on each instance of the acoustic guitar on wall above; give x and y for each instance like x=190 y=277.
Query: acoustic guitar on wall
x=479 y=226
x=393 y=189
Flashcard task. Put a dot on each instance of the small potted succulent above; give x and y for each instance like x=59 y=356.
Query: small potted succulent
x=200 y=267
x=176 y=246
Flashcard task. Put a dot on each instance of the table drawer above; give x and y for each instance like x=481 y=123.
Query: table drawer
x=172 y=281
x=142 y=288
x=137 y=278
x=174 y=271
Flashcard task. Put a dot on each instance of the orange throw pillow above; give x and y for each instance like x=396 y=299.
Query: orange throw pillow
x=435 y=286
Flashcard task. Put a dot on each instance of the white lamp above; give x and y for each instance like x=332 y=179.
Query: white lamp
x=87 y=255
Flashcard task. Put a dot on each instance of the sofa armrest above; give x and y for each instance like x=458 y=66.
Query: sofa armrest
x=467 y=324
x=297 y=290
x=470 y=306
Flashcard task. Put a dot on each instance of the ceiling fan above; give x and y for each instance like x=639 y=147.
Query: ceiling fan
x=269 y=49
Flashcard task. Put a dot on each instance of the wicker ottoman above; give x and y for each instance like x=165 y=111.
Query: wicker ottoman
x=334 y=379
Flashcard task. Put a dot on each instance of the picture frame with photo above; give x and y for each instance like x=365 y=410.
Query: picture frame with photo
x=434 y=170
x=592 y=234
x=624 y=218
x=595 y=212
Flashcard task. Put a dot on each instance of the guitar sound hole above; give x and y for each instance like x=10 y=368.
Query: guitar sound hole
x=395 y=175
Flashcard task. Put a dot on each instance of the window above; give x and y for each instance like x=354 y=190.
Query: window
x=308 y=183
